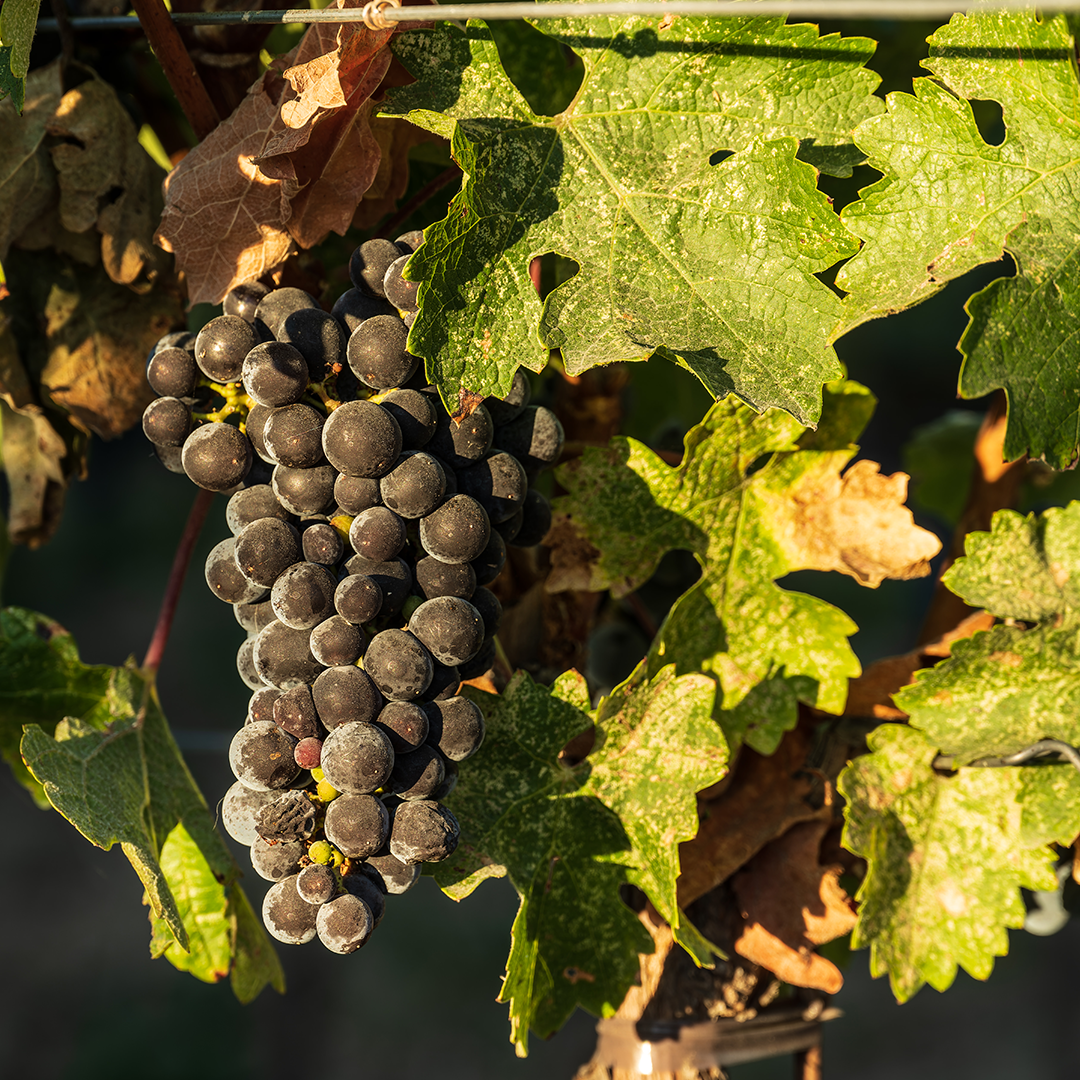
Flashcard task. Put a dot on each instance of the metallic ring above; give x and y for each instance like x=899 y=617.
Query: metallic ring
x=373 y=17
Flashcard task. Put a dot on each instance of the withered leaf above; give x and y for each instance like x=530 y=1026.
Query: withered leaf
x=32 y=452
x=288 y=167
x=792 y=903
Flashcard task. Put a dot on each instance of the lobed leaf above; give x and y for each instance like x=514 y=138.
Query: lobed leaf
x=711 y=264
x=752 y=506
x=113 y=770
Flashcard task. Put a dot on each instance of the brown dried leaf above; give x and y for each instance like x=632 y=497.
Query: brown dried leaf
x=32 y=452
x=791 y=903
x=27 y=178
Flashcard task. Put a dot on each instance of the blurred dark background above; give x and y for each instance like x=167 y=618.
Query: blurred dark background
x=81 y=999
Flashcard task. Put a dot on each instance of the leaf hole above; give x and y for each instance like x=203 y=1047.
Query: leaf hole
x=990 y=121
x=720 y=155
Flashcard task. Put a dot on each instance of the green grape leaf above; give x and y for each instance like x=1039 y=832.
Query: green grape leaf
x=10 y=83
x=710 y=265
x=949 y=201
x=18 y=21
x=113 y=770
x=947 y=856
x=938 y=458
x=752 y=505
x=569 y=836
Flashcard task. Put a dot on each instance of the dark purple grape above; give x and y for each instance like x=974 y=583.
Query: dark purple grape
x=243 y=300
x=283 y=657
x=264 y=548
x=399 y=665
x=487 y=603
x=445 y=683
x=291 y=816
x=360 y=438
x=294 y=712
x=336 y=642
x=357 y=758
x=456 y=727
x=261 y=757
x=423 y=831
x=354 y=307
x=362 y=885
x=238 y=810
x=415 y=486
x=378 y=534
x=536 y=520
x=221 y=347
x=287 y=918
x=435 y=578
x=273 y=862
x=535 y=438
x=358 y=598
x=400 y=292
x=303 y=595
x=405 y=724
x=418 y=775
x=318 y=337
x=253 y=617
x=245 y=665
x=216 y=457
x=394 y=579
x=292 y=436
x=261 y=704
x=390 y=874
x=224 y=578
x=510 y=528
x=369 y=263
x=450 y=628
x=250 y=504
x=167 y=421
x=275 y=374
x=355 y=494
x=489 y=563
x=498 y=483
x=345 y=694
x=172 y=372
x=316 y=883
x=322 y=544
x=377 y=353
x=415 y=414
x=357 y=825
x=278 y=304
x=458 y=531
x=482 y=662
x=464 y=444
x=410 y=241
x=304 y=491
x=344 y=924
x=253 y=428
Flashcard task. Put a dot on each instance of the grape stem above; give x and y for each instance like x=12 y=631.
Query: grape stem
x=196 y=517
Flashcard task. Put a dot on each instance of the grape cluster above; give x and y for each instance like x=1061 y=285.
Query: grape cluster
x=366 y=525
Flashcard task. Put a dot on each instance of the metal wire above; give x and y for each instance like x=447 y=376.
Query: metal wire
x=1043 y=748
x=881 y=10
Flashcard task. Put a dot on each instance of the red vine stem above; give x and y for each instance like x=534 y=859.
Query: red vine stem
x=418 y=200
x=179 y=68
x=196 y=517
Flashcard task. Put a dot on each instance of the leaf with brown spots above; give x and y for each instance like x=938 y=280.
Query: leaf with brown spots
x=290 y=165
x=791 y=903
x=947 y=855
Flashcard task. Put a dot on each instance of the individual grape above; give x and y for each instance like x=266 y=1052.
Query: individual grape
x=275 y=374
x=418 y=774
x=357 y=758
x=442 y=793
x=261 y=757
x=171 y=457
x=355 y=494
x=394 y=579
x=444 y=683
x=378 y=534
x=464 y=444
x=321 y=851
x=254 y=617
x=357 y=824
x=369 y=263
x=287 y=918
x=291 y=816
x=344 y=924
x=345 y=694
x=278 y=304
x=456 y=727
x=399 y=665
x=405 y=724
x=322 y=544
x=377 y=353
x=354 y=307
x=423 y=831
x=243 y=300
x=264 y=548
x=178 y=339
x=221 y=347
x=358 y=598
x=303 y=595
x=415 y=414
x=390 y=874
x=362 y=885
x=316 y=883
x=292 y=436
x=172 y=372
x=435 y=578
x=535 y=438
x=450 y=628
x=498 y=484
x=304 y=491
x=238 y=810
x=308 y=753
x=224 y=577
x=400 y=292
x=489 y=563
x=509 y=528
x=482 y=662
x=503 y=410
x=487 y=603
x=273 y=862
x=283 y=657
x=415 y=485
x=336 y=642
x=167 y=421
x=361 y=438
x=294 y=711
x=458 y=531
x=261 y=704
x=250 y=504
x=536 y=521
x=245 y=665
x=318 y=337
x=217 y=457
x=410 y=241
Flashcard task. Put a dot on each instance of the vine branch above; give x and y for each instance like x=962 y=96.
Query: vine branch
x=196 y=517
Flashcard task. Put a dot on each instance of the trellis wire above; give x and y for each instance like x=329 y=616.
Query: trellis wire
x=1042 y=749
x=881 y=10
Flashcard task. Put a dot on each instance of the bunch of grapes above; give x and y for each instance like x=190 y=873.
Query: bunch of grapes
x=366 y=525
